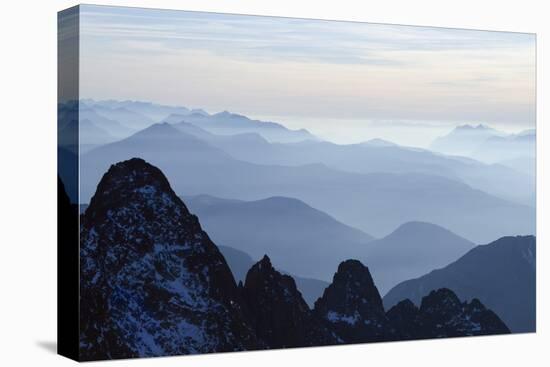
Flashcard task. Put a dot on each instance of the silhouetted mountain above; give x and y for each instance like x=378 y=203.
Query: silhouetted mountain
x=464 y=139
x=376 y=203
x=240 y=262
x=441 y=315
x=227 y=123
x=280 y=315
x=501 y=274
x=152 y=281
x=352 y=306
x=412 y=250
x=280 y=226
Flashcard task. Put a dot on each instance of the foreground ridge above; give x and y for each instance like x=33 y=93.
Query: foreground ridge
x=153 y=283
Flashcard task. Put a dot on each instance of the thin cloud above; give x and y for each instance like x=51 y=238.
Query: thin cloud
x=259 y=65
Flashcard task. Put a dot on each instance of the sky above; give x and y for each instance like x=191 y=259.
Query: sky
x=346 y=80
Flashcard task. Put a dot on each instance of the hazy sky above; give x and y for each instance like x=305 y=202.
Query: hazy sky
x=323 y=75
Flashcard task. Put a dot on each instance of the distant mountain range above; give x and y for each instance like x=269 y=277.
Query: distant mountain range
x=154 y=111
x=130 y=116
x=371 y=157
x=502 y=148
x=260 y=142
x=110 y=120
x=412 y=250
x=375 y=202
x=155 y=284
x=227 y=123
x=501 y=274
x=486 y=144
x=319 y=243
x=123 y=113
x=280 y=226
x=113 y=128
x=464 y=139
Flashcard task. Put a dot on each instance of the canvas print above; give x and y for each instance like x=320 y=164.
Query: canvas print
x=235 y=183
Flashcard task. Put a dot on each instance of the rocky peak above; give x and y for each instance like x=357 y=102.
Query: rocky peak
x=278 y=312
x=441 y=302
x=264 y=265
x=152 y=281
x=129 y=181
x=352 y=305
x=444 y=315
x=441 y=314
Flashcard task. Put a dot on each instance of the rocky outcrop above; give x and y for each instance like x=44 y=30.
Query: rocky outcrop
x=440 y=315
x=351 y=306
x=280 y=316
x=152 y=282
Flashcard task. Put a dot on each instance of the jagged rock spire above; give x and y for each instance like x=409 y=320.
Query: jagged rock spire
x=352 y=306
x=279 y=314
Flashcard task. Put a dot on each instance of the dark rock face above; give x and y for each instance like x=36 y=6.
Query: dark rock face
x=152 y=282
x=351 y=306
x=404 y=322
x=441 y=314
x=445 y=316
x=280 y=315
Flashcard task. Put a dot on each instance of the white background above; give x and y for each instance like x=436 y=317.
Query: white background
x=28 y=183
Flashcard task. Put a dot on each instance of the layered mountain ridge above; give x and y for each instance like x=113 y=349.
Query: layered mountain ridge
x=153 y=283
x=412 y=250
x=367 y=201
